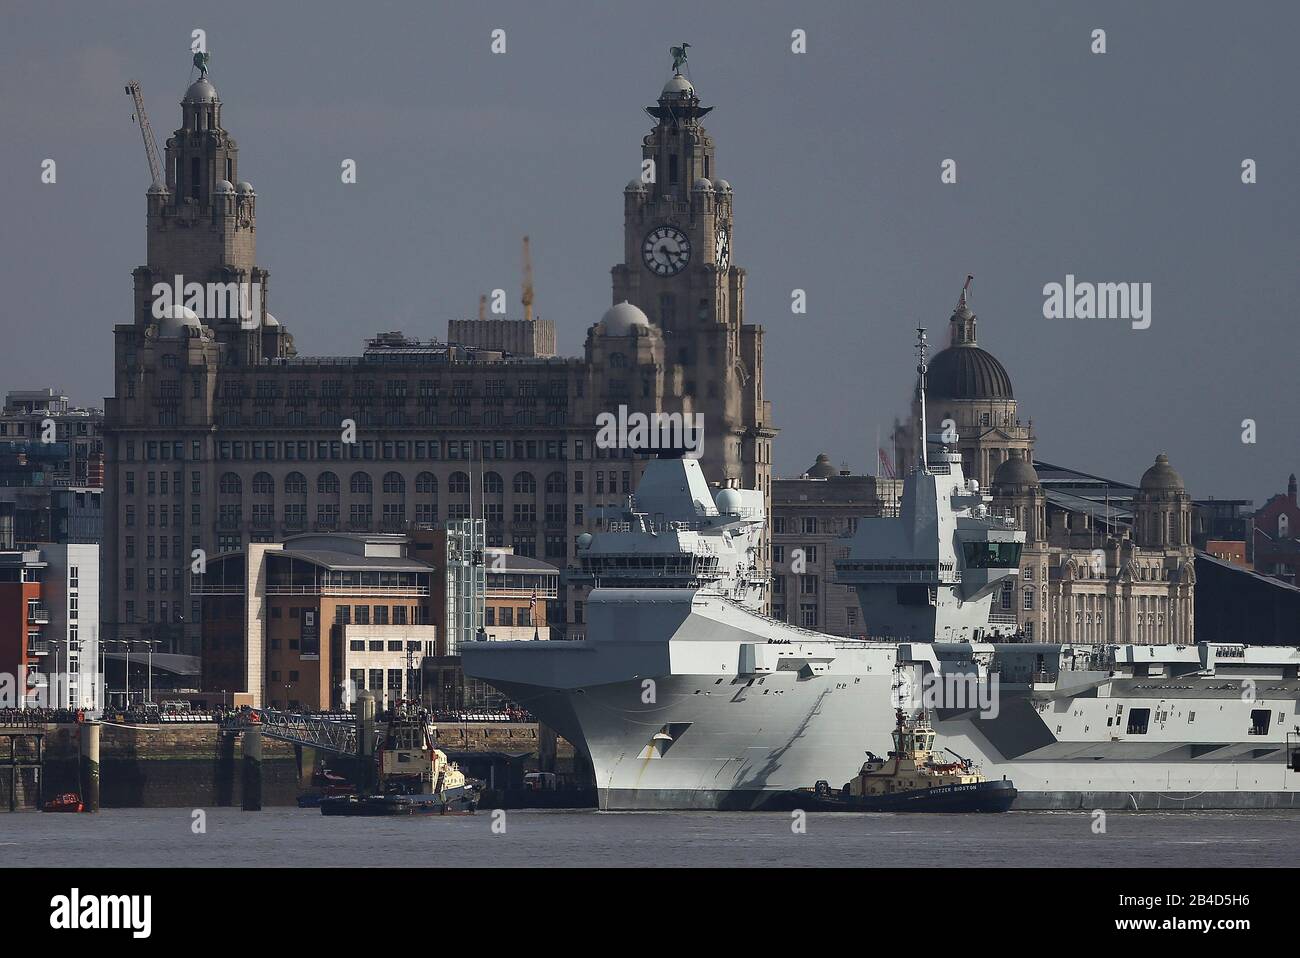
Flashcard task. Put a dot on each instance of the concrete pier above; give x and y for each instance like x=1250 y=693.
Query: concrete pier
x=251 y=740
x=89 y=774
x=364 y=710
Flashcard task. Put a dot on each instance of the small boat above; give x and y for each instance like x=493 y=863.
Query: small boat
x=325 y=784
x=911 y=779
x=414 y=776
x=67 y=802
x=382 y=805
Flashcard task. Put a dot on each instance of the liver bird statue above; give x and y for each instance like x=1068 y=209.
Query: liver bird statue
x=201 y=61
x=679 y=57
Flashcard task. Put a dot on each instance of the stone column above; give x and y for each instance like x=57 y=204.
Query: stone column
x=251 y=779
x=90 y=766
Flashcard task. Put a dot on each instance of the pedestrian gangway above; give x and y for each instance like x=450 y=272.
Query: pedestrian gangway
x=327 y=732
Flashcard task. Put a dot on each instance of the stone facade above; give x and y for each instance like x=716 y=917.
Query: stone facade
x=219 y=434
x=1106 y=582
x=811 y=515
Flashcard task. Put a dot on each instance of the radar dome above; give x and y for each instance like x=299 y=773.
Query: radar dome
x=729 y=501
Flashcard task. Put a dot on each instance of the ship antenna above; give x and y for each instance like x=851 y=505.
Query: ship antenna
x=920 y=386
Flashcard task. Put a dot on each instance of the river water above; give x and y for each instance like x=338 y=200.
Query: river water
x=303 y=837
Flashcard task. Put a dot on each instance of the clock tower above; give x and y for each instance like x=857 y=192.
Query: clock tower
x=677 y=267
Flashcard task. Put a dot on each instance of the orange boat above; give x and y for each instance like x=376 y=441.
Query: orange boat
x=67 y=802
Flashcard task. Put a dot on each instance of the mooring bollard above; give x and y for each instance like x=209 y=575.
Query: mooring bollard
x=90 y=766
x=252 y=777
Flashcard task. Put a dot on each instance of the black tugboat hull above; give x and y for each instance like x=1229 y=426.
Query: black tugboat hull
x=374 y=806
x=980 y=797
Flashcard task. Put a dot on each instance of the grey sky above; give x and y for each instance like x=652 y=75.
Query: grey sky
x=1119 y=167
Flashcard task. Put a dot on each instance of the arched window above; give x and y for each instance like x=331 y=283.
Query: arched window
x=556 y=484
x=394 y=483
x=525 y=483
x=426 y=482
x=295 y=484
x=617 y=361
x=263 y=484
x=458 y=482
x=1284 y=526
x=230 y=484
x=361 y=483
x=327 y=482
x=493 y=484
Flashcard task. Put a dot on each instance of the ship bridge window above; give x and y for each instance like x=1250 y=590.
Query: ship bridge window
x=1138 y=719
x=991 y=555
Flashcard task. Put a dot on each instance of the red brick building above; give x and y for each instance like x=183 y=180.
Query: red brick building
x=1277 y=536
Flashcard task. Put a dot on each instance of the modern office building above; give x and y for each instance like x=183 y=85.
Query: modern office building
x=49 y=627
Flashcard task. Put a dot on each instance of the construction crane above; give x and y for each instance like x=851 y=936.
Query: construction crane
x=528 y=282
x=146 y=131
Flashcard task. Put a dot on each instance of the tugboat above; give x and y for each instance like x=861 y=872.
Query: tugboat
x=414 y=777
x=911 y=780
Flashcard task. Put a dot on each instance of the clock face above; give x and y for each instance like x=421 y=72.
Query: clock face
x=666 y=251
x=722 y=249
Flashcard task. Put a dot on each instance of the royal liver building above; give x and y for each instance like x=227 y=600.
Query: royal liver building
x=219 y=433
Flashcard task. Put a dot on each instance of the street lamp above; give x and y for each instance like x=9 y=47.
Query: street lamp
x=149 y=644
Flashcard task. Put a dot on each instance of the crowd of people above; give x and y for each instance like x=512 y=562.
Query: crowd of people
x=40 y=716
x=152 y=713
x=508 y=714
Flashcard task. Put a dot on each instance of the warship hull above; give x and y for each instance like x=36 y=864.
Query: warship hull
x=731 y=710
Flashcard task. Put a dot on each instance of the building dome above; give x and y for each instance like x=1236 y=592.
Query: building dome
x=634 y=186
x=822 y=468
x=177 y=322
x=1162 y=477
x=1015 y=472
x=678 y=86
x=703 y=185
x=271 y=320
x=224 y=186
x=965 y=371
x=245 y=187
x=584 y=540
x=201 y=91
x=722 y=186
x=620 y=319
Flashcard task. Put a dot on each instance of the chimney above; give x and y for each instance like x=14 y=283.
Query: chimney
x=1291 y=489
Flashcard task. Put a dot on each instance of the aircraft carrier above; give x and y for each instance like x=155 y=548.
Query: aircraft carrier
x=684 y=695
